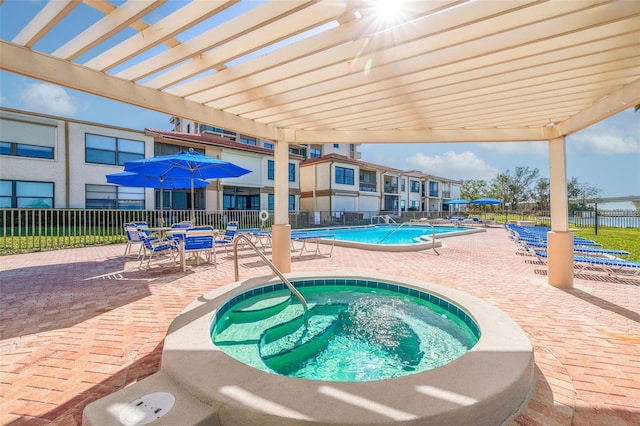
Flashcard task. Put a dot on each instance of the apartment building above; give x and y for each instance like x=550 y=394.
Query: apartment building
x=424 y=192
x=54 y=162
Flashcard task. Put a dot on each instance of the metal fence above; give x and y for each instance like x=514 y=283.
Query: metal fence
x=24 y=230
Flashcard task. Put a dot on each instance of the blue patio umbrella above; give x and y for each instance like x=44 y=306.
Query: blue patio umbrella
x=138 y=180
x=191 y=165
x=455 y=202
x=486 y=201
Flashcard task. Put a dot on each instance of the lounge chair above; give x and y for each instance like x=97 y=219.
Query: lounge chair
x=611 y=266
x=579 y=249
x=305 y=237
x=157 y=246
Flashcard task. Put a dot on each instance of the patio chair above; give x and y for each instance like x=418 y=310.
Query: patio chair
x=131 y=231
x=229 y=235
x=158 y=247
x=200 y=240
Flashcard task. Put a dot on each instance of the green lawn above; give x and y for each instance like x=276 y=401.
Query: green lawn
x=614 y=238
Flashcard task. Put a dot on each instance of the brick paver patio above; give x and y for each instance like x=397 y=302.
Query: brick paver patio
x=79 y=324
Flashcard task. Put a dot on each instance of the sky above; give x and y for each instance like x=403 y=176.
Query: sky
x=605 y=155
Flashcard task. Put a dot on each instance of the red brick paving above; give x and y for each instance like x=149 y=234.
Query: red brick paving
x=76 y=325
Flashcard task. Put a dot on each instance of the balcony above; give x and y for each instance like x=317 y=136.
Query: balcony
x=391 y=189
x=367 y=187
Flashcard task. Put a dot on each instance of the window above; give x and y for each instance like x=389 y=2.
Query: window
x=22 y=138
x=160 y=148
x=433 y=189
x=314 y=153
x=403 y=184
x=298 y=151
x=344 y=175
x=217 y=130
x=248 y=140
x=368 y=181
x=292 y=172
x=114 y=197
x=403 y=205
x=25 y=194
x=268 y=145
x=271 y=202
x=25 y=150
x=109 y=150
x=271 y=171
x=336 y=145
x=415 y=185
x=414 y=205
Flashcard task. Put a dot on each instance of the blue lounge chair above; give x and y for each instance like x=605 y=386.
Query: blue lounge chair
x=611 y=266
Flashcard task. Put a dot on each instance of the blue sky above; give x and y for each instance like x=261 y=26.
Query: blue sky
x=605 y=155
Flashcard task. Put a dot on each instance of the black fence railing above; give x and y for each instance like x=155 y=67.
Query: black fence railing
x=24 y=230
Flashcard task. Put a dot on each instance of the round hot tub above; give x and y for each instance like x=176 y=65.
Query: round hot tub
x=489 y=383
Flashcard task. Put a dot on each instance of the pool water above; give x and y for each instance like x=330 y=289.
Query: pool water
x=382 y=234
x=351 y=333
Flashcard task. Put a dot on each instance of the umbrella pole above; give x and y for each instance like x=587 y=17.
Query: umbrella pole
x=161 y=220
x=193 y=203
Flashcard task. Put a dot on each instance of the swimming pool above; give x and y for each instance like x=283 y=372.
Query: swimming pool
x=353 y=331
x=408 y=237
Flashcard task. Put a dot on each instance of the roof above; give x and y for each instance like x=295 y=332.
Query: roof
x=211 y=140
x=342 y=159
x=329 y=71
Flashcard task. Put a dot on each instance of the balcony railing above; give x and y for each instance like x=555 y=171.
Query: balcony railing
x=367 y=187
x=391 y=189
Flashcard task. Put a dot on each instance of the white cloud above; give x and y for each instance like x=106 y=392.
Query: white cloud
x=465 y=165
x=618 y=134
x=47 y=98
x=604 y=140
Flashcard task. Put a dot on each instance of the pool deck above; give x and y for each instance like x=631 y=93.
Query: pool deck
x=79 y=324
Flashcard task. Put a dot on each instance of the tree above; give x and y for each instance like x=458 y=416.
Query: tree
x=472 y=189
x=541 y=194
x=516 y=188
x=580 y=193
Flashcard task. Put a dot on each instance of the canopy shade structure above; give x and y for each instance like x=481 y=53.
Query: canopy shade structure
x=456 y=202
x=329 y=71
x=190 y=166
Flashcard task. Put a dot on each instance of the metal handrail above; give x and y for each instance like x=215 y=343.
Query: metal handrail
x=433 y=235
x=383 y=216
x=392 y=232
x=273 y=267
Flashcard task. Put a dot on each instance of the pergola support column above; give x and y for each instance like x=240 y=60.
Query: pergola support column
x=281 y=229
x=559 y=239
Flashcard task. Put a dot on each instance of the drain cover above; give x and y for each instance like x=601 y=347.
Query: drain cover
x=147 y=408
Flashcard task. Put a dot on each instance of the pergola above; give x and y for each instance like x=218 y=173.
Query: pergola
x=342 y=72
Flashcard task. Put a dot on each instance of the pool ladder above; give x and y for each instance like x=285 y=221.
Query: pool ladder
x=273 y=267
x=433 y=235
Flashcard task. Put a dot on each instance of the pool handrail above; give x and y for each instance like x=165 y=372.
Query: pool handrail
x=433 y=235
x=385 y=217
x=273 y=267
